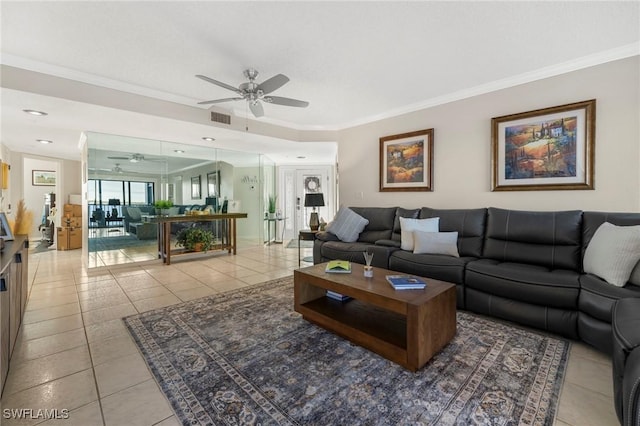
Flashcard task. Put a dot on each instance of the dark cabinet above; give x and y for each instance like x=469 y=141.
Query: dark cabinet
x=13 y=298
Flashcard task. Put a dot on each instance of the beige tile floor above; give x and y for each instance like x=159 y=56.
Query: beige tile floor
x=74 y=353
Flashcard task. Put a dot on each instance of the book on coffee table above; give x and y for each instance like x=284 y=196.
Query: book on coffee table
x=337 y=296
x=406 y=282
x=338 y=267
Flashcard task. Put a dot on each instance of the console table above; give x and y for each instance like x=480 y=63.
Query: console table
x=228 y=241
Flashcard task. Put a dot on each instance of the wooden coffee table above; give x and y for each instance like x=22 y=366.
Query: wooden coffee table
x=407 y=327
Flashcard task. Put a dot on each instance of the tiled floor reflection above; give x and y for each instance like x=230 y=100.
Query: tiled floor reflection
x=74 y=352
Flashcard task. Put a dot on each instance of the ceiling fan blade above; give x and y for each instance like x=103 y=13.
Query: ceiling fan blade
x=256 y=109
x=219 y=101
x=274 y=83
x=219 y=83
x=278 y=100
x=118 y=158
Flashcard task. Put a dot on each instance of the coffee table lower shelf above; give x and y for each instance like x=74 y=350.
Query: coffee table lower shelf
x=379 y=330
x=406 y=327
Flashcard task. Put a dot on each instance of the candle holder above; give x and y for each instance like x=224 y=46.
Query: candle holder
x=368 y=269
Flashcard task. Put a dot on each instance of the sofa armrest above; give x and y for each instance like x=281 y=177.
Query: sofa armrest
x=631 y=389
x=326 y=236
x=626 y=359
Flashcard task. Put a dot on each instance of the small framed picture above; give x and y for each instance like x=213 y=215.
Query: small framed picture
x=195 y=188
x=43 y=178
x=406 y=161
x=5 y=229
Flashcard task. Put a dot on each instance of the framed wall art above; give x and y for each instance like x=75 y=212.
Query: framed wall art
x=406 y=161
x=213 y=184
x=546 y=149
x=43 y=178
x=195 y=188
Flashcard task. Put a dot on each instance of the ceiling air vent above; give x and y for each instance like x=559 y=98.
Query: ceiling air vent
x=220 y=118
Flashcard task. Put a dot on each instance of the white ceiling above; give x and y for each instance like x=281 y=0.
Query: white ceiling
x=354 y=62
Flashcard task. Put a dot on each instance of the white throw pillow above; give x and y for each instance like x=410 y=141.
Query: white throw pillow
x=613 y=252
x=347 y=225
x=408 y=225
x=436 y=243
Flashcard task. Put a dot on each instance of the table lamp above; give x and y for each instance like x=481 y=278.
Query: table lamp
x=314 y=199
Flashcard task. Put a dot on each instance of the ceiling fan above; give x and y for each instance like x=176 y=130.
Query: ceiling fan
x=136 y=158
x=253 y=92
x=115 y=169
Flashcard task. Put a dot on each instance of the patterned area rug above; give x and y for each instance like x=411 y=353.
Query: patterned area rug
x=245 y=357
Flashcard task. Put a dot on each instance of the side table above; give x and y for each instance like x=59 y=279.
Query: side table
x=305 y=235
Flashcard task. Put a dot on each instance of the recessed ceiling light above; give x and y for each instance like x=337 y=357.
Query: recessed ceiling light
x=34 y=112
x=301 y=157
x=208 y=139
x=44 y=141
x=179 y=151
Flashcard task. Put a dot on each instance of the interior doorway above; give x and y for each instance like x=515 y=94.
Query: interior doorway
x=295 y=183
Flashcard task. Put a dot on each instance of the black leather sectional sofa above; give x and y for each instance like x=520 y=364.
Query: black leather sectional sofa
x=522 y=266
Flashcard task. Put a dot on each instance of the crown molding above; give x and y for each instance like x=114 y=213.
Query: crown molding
x=599 y=58
x=610 y=55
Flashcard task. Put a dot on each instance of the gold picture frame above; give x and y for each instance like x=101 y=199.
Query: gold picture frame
x=406 y=161
x=545 y=149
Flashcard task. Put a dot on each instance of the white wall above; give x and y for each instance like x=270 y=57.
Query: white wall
x=34 y=195
x=462 y=146
x=250 y=194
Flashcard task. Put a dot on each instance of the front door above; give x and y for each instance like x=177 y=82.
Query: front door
x=299 y=182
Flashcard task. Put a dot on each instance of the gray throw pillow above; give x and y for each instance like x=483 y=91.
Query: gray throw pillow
x=613 y=252
x=347 y=225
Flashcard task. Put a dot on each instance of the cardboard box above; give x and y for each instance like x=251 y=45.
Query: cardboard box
x=71 y=222
x=63 y=238
x=75 y=238
x=73 y=210
x=69 y=238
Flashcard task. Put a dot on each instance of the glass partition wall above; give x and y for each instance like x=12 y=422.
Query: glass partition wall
x=127 y=176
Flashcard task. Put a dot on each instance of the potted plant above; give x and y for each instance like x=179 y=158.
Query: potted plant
x=163 y=206
x=195 y=239
x=271 y=206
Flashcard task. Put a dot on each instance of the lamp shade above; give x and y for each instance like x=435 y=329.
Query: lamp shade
x=314 y=199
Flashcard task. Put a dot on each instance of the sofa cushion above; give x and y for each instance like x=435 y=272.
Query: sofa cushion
x=597 y=297
x=353 y=252
x=613 y=252
x=407 y=226
x=436 y=266
x=400 y=212
x=436 y=243
x=380 y=224
x=533 y=284
x=468 y=223
x=591 y=221
x=549 y=239
x=347 y=225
